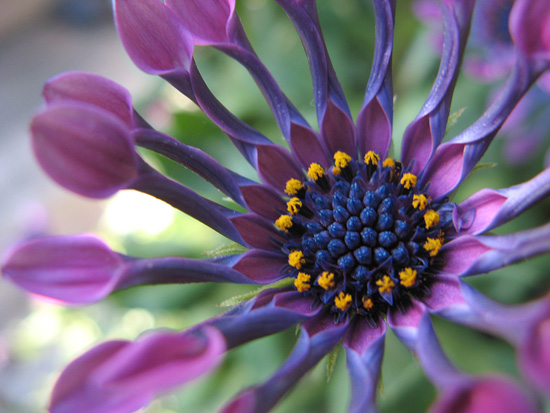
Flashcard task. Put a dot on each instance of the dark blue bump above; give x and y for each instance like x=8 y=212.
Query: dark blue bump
x=325 y=217
x=369 y=237
x=352 y=239
x=322 y=239
x=385 y=222
x=368 y=216
x=323 y=258
x=402 y=229
x=387 y=206
x=400 y=255
x=340 y=214
x=371 y=199
x=322 y=202
x=337 y=230
x=347 y=263
x=314 y=227
x=414 y=247
x=309 y=246
x=383 y=191
x=380 y=255
x=356 y=191
x=337 y=248
x=363 y=255
x=387 y=239
x=354 y=224
x=360 y=273
x=339 y=199
x=341 y=186
x=354 y=205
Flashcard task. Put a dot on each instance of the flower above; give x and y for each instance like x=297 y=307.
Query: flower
x=356 y=241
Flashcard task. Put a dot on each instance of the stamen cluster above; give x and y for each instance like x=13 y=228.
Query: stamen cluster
x=362 y=237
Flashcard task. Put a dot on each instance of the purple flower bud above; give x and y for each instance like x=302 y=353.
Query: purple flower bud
x=530 y=27
x=84 y=149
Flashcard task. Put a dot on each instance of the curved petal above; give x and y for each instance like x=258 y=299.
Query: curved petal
x=264 y=267
x=93 y=89
x=534 y=352
x=84 y=149
x=530 y=27
x=122 y=376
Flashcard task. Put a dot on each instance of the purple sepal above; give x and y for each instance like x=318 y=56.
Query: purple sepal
x=93 y=89
x=471 y=255
x=264 y=267
x=364 y=346
x=276 y=166
x=153 y=36
x=319 y=336
x=489 y=208
x=122 y=376
x=530 y=28
x=258 y=232
x=374 y=122
x=195 y=159
x=84 y=148
x=425 y=133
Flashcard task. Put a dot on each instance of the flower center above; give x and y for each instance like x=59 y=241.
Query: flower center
x=362 y=236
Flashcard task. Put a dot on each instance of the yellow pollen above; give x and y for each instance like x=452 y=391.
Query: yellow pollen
x=408 y=277
x=388 y=162
x=336 y=170
x=367 y=303
x=341 y=159
x=315 y=171
x=293 y=186
x=420 y=202
x=294 y=205
x=296 y=259
x=343 y=301
x=326 y=280
x=432 y=245
x=385 y=285
x=431 y=218
x=284 y=222
x=408 y=180
x=371 y=158
x=302 y=282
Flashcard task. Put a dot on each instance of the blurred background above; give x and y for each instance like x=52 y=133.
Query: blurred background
x=37 y=338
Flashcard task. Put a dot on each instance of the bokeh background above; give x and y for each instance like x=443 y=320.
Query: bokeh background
x=41 y=38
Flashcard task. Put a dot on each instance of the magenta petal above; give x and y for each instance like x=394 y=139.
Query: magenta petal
x=337 y=130
x=444 y=172
x=405 y=326
x=78 y=269
x=264 y=267
x=483 y=206
x=276 y=166
x=374 y=129
x=153 y=36
x=263 y=200
x=93 y=89
x=258 y=232
x=207 y=20
x=122 y=376
x=418 y=143
x=460 y=254
x=530 y=27
x=534 y=354
x=84 y=149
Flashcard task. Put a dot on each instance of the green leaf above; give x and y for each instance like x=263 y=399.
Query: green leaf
x=226 y=249
x=331 y=361
x=233 y=301
x=453 y=118
x=482 y=166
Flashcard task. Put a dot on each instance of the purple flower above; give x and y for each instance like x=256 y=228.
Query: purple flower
x=357 y=240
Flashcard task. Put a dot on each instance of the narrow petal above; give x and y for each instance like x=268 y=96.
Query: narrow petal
x=530 y=27
x=84 y=149
x=258 y=232
x=93 y=89
x=276 y=166
x=405 y=325
x=264 y=267
x=153 y=36
x=122 y=376
x=263 y=200
x=337 y=130
x=307 y=147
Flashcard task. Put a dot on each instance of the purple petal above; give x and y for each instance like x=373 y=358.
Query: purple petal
x=307 y=147
x=530 y=27
x=154 y=38
x=337 y=130
x=276 y=166
x=207 y=20
x=122 y=376
x=264 y=267
x=93 y=89
x=263 y=200
x=258 y=232
x=364 y=346
x=405 y=325
x=374 y=129
x=84 y=149
x=534 y=352
x=77 y=269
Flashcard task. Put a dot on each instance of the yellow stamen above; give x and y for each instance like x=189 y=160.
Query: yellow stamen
x=302 y=282
x=341 y=159
x=326 y=280
x=343 y=301
x=296 y=259
x=284 y=223
x=367 y=303
x=385 y=285
x=371 y=158
x=294 y=205
x=336 y=171
x=315 y=171
x=432 y=245
x=388 y=162
x=431 y=218
x=420 y=202
x=293 y=186
x=408 y=180
x=408 y=277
